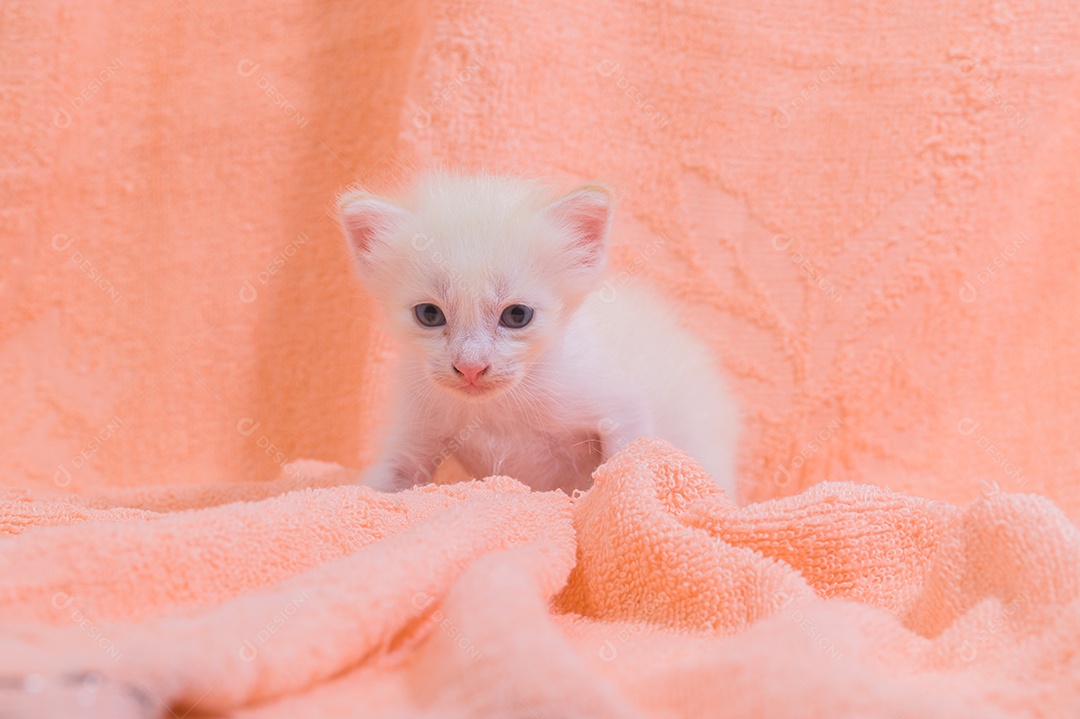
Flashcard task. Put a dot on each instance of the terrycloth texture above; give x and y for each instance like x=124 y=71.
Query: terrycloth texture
x=651 y=595
x=868 y=210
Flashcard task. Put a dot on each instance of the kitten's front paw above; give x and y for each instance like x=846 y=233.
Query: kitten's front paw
x=384 y=477
x=379 y=477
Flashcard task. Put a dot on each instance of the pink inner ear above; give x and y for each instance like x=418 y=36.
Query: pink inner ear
x=368 y=220
x=587 y=214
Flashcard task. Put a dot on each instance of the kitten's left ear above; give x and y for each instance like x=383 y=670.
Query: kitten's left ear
x=586 y=214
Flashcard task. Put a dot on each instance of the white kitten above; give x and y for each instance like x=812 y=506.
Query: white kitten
x=517 y=360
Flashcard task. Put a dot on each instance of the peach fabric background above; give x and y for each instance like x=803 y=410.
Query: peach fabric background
x=868 y=211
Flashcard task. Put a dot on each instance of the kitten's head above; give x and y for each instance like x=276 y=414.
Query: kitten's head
x=479 y=275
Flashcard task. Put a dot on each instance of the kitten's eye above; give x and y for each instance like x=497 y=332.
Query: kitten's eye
x=429 y=315
x=516 y=316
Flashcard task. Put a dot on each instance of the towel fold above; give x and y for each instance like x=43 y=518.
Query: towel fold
x=652 y=594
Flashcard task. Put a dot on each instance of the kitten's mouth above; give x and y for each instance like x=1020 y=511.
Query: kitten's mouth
x=475 y=390
x=478 y=390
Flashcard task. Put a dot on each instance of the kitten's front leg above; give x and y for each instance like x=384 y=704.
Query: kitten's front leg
x=385 y=475
x=401 y=469
x=397 y=472
x=621 y=427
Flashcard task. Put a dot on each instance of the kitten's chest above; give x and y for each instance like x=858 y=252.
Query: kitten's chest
x=533 y=447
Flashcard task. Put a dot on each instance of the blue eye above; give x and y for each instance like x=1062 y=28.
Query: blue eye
x=429 y=315
x=516 y=316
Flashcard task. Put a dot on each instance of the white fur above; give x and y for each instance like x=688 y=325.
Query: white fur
x=593 y=370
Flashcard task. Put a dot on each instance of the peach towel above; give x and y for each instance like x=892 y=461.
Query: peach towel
x=650 y=595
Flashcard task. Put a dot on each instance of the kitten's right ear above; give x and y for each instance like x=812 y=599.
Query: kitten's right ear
x=369 y=222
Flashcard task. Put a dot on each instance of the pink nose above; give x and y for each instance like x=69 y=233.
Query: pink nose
x=471 y=372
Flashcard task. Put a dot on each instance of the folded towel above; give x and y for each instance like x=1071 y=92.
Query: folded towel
x=652 y=594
